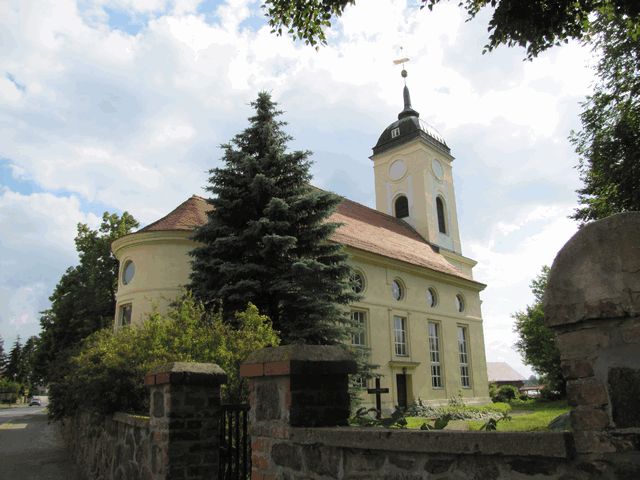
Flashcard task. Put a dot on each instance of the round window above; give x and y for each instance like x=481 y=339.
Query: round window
x=432 y=297
x=128 y=272
x=357 y=282
x=459 y=303
x=397 y=290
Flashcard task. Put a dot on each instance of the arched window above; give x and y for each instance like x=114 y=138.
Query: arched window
x=402 y=207
x=442 y=223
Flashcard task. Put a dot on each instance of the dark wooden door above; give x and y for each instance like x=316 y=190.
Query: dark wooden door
x=401 y=385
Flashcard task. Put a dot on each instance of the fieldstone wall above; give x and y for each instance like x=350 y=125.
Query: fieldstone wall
x=372 y=453
x=116 y=447
x=178 y=441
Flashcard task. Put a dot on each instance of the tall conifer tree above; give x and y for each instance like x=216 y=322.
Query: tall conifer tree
x=267 y=239
x=13 y=362
x=3 y=357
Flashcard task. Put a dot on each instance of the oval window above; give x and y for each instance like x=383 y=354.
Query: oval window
x=357 y=282
x=432 y=297
x=459 y=303
x=397 y=290
x=128 y=272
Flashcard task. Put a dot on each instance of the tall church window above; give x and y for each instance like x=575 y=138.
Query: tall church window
x=463 y=353
x=402 y=207
x=400 y=336
x=434 y=354
x=359 y=337
x=442 y=223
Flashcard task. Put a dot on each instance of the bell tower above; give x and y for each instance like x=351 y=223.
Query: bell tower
x=413 y=177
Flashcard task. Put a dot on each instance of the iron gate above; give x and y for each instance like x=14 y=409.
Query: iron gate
x=235 y=444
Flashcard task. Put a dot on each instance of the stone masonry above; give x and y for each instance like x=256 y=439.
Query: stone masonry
x=178 y=441
x=116 y=447
x=593 y=304
x=184 y=414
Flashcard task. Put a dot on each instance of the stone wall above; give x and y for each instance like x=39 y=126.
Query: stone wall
x=178 y=441
x=283 y=448
x=371 y=453
x=116 y=447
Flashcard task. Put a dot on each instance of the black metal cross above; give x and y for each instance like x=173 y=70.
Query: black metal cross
x=377 y=392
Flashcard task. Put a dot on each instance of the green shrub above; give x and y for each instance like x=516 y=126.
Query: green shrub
x=493 y=391
x=107 y=374
x=550 y=395
x=506 y=393
x=9 y=390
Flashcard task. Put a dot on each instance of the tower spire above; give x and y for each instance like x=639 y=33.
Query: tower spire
x=408 y=111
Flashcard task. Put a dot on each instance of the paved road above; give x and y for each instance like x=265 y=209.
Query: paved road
x=30 y=448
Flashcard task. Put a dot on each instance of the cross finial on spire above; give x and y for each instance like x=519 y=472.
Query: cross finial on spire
x=408 y=111
x=402 y=60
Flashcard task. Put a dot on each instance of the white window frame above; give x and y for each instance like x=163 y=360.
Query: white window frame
x=400 y=337
x=435 y=354
x=359 y=339
x=463 y=356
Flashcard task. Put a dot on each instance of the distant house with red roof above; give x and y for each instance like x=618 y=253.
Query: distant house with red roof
x=501 y=373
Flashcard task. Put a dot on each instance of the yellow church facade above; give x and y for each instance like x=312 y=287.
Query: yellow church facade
x=420 y=307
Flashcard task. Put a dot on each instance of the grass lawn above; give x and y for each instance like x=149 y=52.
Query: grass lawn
x=528 y=418
x=525 y=417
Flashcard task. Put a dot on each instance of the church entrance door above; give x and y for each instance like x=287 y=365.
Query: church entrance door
x=401 y=386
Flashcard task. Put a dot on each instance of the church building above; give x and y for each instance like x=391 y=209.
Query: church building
x=420 y=308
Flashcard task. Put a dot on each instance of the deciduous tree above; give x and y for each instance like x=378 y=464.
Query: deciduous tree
x=537 y=343
x=83 y=301
x=609 y=142
x=533 y=24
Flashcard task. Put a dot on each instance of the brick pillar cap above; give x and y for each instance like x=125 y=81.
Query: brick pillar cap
x=186 y=373
x=299 y=359
x=596 y=275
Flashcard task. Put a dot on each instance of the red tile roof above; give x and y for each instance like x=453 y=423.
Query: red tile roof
x=362 y=227
x=187 y=216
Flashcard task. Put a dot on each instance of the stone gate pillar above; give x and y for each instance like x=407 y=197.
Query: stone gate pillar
x=293 y=386
x=184 y=413
x=593 y=304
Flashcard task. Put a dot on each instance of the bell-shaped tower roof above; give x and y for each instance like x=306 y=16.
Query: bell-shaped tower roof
x=408 y=127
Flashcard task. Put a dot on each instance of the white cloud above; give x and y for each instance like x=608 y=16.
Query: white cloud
x=36 y=246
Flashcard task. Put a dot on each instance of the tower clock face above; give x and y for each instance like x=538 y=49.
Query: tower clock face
x=438 y=171
x=397 y=170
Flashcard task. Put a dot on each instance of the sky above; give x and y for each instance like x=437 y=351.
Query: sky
x=114 y=105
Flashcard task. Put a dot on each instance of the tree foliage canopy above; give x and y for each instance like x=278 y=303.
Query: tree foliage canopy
x=83 y=301
x=533 y=24
x=609 y=142
x=537 y=343
x=267 y=238
x=107 y=374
